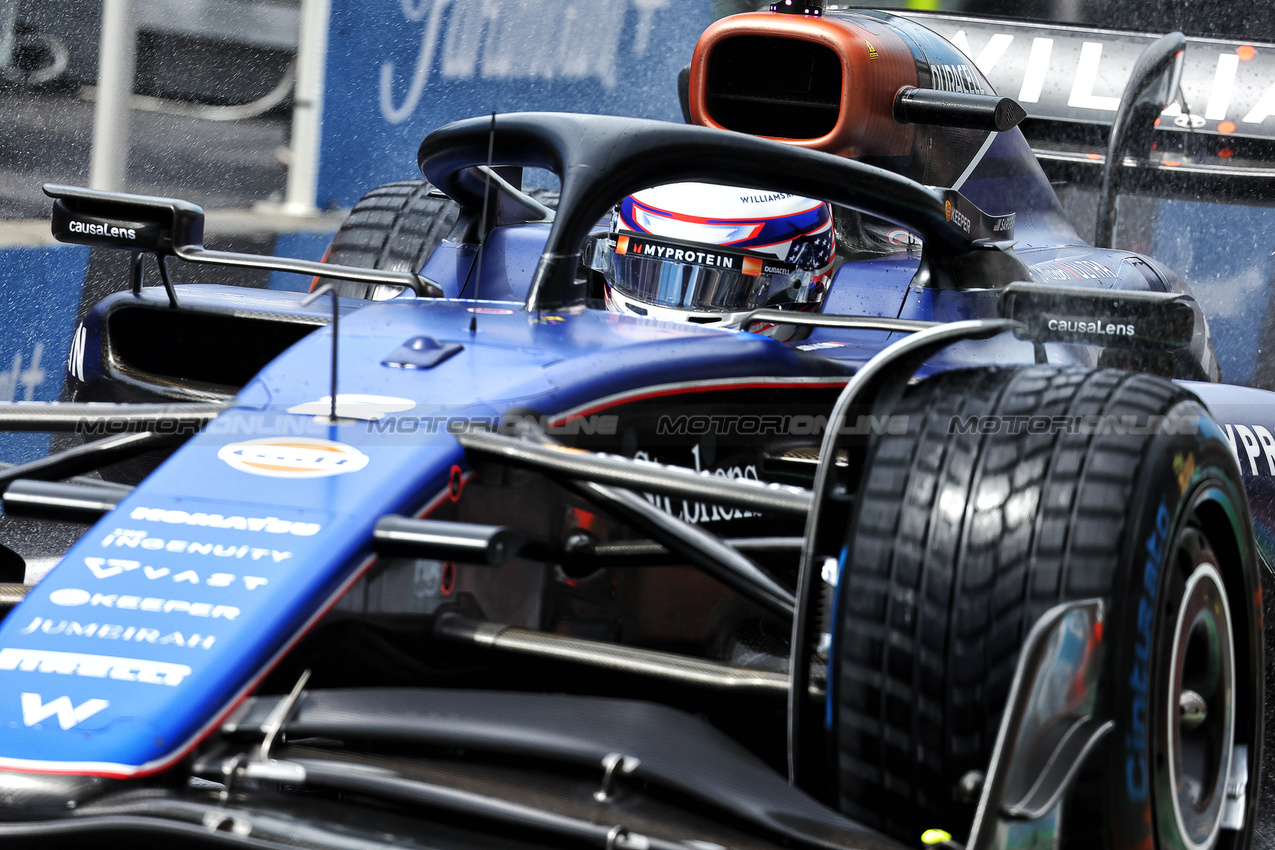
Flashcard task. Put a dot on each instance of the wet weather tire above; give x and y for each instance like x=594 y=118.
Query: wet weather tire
x=1011 y=491
x=395 y=227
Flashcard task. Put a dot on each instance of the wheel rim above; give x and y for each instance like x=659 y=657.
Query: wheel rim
x=1200 y=698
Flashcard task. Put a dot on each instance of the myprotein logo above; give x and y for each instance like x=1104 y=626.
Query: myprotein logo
x=293 y=457
x=639 y=246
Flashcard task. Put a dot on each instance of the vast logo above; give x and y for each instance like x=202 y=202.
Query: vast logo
x=35 y=710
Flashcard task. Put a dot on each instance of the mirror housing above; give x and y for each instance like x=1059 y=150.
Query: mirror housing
x=1110 y=318
x=130 y=222
x=167 y=227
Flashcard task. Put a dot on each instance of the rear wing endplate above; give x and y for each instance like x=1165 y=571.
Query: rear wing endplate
x=1217 y=141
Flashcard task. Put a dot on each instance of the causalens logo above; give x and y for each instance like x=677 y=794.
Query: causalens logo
x=1091 y=327
x=104 y=229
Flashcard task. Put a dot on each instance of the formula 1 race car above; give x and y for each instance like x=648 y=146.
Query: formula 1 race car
x=459 y=556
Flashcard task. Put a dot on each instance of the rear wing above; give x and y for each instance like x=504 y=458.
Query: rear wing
x=1217 y=143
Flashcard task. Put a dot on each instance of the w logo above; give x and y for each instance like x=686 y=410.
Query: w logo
x=34 y=710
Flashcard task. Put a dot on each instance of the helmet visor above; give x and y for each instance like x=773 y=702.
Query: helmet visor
x=699 y=277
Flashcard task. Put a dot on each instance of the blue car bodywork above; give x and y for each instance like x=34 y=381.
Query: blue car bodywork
x=171 y=609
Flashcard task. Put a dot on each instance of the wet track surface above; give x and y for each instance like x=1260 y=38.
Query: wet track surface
x=47 y=137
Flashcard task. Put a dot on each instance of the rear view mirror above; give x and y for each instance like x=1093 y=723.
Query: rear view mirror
x=1111 y=318
x=167 y=227
x=131 y=222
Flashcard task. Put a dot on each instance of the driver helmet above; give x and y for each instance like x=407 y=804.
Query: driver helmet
x=709 y=254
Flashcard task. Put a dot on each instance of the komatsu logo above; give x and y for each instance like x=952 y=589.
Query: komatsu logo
x=268 y=524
